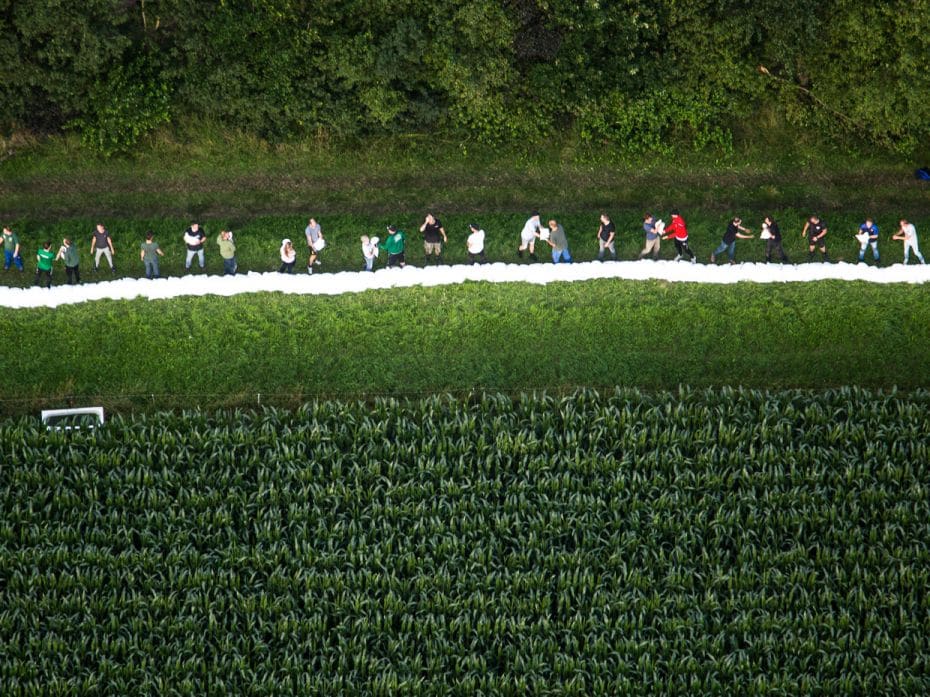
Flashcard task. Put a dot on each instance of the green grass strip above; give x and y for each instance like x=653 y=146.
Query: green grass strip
x=212 y=351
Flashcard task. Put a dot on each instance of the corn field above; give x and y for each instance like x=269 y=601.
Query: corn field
x=720 y=542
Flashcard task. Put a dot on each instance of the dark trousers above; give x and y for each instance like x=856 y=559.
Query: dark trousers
x=772 y=246
x=396 y=259
x=46 y=281
x=681 y=246
x=73 y=274
x=478 y=257
x=287 y=267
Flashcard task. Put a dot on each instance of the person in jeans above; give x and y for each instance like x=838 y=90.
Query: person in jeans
x=369 y=251
x=69 y=254
x=678 y=231
x=606 y=233
x=394 y=245
x=475 y=244
x=228 y=252
x=44 y=259
x=815 y=230
x=434 y=235
x=868 y=237
x=734 y=231
x=773 y=243
x=559 y=243
x=653 y=238
x=101 y=244
x=288 y=257
x=907 y=233
x=149 y=251
x=11 y=250
x=194 y=238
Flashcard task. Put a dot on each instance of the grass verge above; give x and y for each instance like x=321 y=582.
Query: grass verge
x=270 y=348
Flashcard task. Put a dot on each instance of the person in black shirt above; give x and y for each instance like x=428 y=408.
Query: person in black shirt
x=815 y=230
x=729 y=240
x=433 y=237
x=606 y=233
x=773 y=243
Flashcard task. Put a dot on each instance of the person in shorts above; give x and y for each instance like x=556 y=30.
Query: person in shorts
x=101 y=244
x=149 y=251
x=434 y=235
x=529 y=234
x=606 y=233
x=475 y=244
x=394 y=244
x=815 y=230
x=315 y=243
x=653 y=238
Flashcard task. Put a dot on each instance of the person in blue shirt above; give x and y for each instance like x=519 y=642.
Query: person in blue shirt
x=868 y=237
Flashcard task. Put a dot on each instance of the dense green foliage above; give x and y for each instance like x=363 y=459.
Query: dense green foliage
x=713 y=543
x=258 y=240
x=284 y=349
x=636 y=74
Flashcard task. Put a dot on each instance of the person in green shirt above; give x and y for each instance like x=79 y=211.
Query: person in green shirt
x=11 y=250
x=228 y=252
x=149 y=252
x=44 y=259
x=394 y=245
x=69 y=254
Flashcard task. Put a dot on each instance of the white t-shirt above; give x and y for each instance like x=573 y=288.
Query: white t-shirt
x=530 y=228
x=370 y=250
x=910 y=232
x=475 y=242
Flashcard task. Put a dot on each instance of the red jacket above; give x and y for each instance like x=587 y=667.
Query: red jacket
x=677 y=228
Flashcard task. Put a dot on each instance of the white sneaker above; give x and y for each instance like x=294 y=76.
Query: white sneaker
x=309 y=269
x=678 y=257
x=694 y=260
x=317 y=262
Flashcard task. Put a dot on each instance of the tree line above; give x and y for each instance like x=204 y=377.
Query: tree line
x=635 y=74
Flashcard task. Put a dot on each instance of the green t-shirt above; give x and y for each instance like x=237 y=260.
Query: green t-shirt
x=10 y=241
x=394 y=243
x=149 y=251
x=45 y=257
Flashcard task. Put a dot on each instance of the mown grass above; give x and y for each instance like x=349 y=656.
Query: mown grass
x=215 y=173
x=258 y=240
x=272 y=348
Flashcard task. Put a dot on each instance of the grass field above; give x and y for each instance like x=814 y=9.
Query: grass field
x=213 y=351
x=715 y=543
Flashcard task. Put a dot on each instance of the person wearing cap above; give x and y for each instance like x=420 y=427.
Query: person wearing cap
x=149 y=251
x=369 y=251
x=434 y=235
x=315 y=243
x=194 y=238
x=228 y=252
x=475 y=244
x=69 y=254
x=528 y=235
x=394 y=245
x=559 y=243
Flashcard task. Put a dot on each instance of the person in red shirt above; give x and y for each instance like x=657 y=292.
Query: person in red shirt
x=678 y=232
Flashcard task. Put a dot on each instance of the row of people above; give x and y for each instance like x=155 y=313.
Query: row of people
x=435 y=238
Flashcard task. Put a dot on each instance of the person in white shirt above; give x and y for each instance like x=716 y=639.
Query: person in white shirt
x=475 y=243
x=528 y=235
x=369 y=251
x=908 y=234
x=288 y=257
